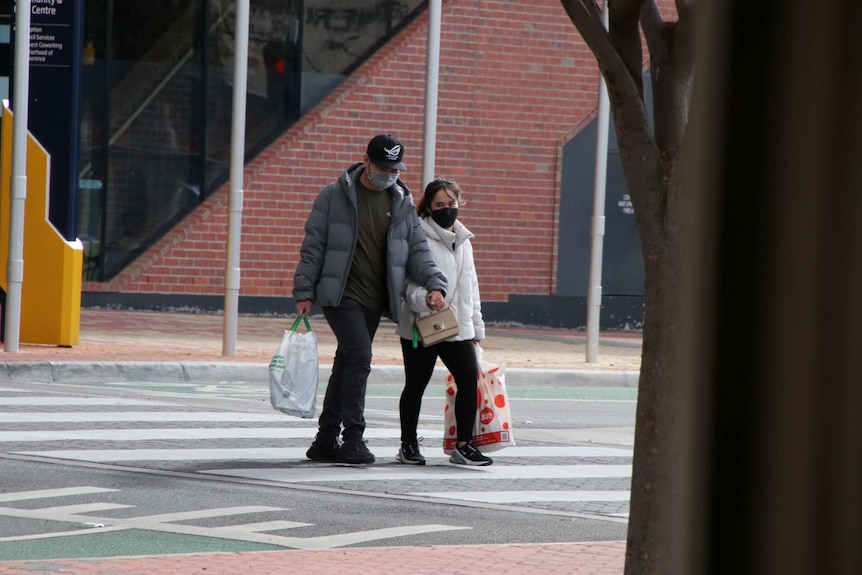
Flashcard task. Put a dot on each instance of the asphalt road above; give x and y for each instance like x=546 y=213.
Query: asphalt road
x=137 y=468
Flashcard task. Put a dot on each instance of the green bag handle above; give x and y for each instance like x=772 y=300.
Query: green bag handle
x=415 y=336
x=296 y=323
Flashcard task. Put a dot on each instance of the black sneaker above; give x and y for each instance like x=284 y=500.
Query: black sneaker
x=409 y=454
x=323 y=450
x=354 y=451
x=469 y=455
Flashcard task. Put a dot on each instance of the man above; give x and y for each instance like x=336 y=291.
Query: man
x=362 y=240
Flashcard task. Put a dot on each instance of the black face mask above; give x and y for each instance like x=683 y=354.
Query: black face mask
x=445 y=217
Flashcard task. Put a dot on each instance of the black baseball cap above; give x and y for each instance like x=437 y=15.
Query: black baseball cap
x=386 y=151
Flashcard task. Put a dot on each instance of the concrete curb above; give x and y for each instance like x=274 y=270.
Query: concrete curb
x=206 y=372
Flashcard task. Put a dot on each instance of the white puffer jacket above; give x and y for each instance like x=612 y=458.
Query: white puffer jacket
x=453 y=254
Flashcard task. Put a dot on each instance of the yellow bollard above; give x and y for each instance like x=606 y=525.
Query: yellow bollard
x=51 y=289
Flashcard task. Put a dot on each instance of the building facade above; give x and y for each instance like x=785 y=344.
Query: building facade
x=516 y=128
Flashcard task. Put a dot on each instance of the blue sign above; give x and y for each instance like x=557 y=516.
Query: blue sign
x=56 y=30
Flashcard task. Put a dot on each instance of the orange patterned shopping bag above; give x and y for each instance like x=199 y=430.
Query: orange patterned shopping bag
x=493 y=428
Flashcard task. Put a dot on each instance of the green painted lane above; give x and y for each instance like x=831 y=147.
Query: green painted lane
x=128 y=542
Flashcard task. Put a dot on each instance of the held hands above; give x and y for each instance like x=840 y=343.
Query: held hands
x=303 y=307
x=435 y=300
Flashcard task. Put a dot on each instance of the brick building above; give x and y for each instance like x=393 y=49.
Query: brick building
x=516 y=128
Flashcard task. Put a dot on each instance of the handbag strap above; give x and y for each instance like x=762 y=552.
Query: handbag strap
x=457 y=281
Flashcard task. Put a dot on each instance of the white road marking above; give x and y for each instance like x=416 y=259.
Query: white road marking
x=200 y=514
x=62 y=534
x=64 y=512
x=260 y=527
x=528 y=496
x=74 y=514
x=43 y=493
x=151 y=416
x=75 y=401
x=291 y=453
x=250 y=532
x=189 y=433
x=324 y=474
x=235 y=425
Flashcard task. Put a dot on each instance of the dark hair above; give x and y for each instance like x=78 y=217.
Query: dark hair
x=434 y=186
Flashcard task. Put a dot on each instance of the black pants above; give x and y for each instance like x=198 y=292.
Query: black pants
x=459 y=357
x=354 y=327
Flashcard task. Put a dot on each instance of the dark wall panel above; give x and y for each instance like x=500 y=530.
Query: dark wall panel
x=622 y=262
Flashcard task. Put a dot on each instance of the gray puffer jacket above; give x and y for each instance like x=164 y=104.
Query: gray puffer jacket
x=331 y=232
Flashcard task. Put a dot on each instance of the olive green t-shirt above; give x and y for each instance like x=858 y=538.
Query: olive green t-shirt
x=366 y=281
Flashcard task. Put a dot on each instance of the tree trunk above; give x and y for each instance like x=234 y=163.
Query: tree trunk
x=650 y=160
x=653 y=491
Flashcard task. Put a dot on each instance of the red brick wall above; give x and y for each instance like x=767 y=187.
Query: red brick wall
x=516 y=83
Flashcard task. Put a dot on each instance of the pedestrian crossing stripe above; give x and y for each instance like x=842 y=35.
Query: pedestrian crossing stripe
x=78 y=401
x=149 y=416
x=526 y=496
x=384 y=443
x=327 y=474
x=43 y=493
x=185 y=433
x=280 y=453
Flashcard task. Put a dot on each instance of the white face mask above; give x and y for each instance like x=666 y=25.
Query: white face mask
x=383 y=180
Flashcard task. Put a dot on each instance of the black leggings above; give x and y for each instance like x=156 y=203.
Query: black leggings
x=459 y=357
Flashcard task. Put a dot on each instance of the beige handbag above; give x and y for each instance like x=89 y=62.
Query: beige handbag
x=436 y=327
x=439 y=325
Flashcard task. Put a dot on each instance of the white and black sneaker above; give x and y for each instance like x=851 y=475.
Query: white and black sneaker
x=467 y=454
x=409 y=454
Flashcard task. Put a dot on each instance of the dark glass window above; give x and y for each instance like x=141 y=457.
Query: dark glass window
x=157 y=101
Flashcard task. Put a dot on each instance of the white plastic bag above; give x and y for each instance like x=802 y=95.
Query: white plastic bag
x=492 y=430
x=293 y=372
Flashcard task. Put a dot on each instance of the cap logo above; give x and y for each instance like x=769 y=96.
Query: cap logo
x=393 y=152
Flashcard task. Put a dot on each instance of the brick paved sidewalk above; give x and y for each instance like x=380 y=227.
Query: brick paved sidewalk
x=122 y=335
x=600 y=558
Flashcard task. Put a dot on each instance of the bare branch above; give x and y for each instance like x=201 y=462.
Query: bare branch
x=671 y=63
x=624 y=32
x=626 y=8
x=653 y=26
x=587 y=18
x=618 y=53
x=682 y=38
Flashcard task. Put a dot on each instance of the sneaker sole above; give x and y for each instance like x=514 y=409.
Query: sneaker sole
x=462 y=461
x=336 y=462
x=320 y=459
x=406 y=461
x=367 y=461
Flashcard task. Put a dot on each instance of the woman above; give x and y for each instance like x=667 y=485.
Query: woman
x=449 y=242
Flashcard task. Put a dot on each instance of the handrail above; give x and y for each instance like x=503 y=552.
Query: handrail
x=155 y=92
x=140 y=109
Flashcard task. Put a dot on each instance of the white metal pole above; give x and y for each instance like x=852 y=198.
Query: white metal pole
x=18 y=184
x=432 y=73
x=594 y=295
x=237 y=163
